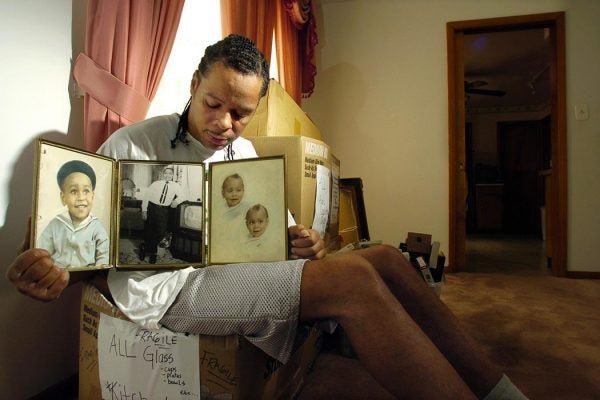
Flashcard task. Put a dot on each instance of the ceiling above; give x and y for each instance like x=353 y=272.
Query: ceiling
x=516 y=62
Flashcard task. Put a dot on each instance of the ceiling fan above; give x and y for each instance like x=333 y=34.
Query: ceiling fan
x=473 y=88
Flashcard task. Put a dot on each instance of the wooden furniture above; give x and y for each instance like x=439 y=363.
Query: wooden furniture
x=131 y=223
x=548 y=210
x=353 y=225
x=489 y=206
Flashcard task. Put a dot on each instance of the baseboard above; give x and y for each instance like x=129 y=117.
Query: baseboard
x=583 y=274
x=570 y=274
x=67 y=389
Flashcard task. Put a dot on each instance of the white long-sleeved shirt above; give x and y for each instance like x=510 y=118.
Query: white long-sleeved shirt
x=159 y=195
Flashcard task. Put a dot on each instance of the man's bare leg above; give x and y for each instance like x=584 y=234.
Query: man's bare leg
x=387 y=340
x=434 y=318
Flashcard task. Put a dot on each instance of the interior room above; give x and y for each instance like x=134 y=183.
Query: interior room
x=507 y=142
x=381 y=102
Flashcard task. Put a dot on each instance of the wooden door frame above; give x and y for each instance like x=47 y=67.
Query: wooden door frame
x=455 y=32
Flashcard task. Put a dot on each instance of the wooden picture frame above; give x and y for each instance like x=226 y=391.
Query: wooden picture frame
x=355 y=187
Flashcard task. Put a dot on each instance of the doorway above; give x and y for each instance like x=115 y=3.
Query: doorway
x=553 y=24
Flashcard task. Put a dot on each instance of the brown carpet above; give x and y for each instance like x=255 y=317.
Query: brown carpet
x=544 y=332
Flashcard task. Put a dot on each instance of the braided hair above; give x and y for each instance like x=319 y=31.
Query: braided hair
x=236 y=52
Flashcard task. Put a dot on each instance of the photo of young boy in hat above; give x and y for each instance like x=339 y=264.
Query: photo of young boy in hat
x=75 y=237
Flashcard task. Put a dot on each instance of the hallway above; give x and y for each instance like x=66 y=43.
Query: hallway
x=507 y=254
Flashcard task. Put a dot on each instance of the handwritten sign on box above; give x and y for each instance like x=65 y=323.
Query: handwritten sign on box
x=146 y=364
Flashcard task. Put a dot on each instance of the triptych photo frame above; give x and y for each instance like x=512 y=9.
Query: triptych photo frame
x=94 y=212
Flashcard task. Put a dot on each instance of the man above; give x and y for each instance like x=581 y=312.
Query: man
x=399 y=329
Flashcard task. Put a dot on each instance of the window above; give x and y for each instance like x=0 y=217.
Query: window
x=200 y=26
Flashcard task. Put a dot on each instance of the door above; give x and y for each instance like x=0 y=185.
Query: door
x=455 y=31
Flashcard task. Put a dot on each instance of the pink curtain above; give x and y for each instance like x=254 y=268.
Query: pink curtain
x=296 y=38
x=254 y=19
x=127 y=46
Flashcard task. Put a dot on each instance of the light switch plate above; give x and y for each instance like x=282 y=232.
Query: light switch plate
x=581 y=112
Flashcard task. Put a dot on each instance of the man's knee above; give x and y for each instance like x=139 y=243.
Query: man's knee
x=359 y=275
x=340 y=285
x=389 y=254
x=388 y=261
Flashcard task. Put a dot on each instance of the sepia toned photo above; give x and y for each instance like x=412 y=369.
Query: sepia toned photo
x=248 y=213
x=72 y=206
x=160 y=216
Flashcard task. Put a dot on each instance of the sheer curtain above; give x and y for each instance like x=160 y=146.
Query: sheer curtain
x=127 y=46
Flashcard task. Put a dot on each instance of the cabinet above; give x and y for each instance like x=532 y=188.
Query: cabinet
x=488 y=206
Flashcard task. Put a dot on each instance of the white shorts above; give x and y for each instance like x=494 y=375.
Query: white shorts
x=259 y=301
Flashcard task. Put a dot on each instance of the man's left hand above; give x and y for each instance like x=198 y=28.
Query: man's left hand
x=305 y=243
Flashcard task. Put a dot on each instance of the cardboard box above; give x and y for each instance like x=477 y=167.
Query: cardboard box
x=230 y=366
x=278 y=114
x=418 y=242
x=303 y=156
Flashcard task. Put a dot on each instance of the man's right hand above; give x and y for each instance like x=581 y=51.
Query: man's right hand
x=35 y=275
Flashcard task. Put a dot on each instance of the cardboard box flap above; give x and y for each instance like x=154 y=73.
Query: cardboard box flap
x=278 y=114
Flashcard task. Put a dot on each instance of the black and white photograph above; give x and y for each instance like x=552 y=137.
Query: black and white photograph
x=160 y=216
x=72 y=206
x=248 y=213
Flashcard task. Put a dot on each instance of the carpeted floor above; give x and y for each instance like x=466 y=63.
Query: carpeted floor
x=543 y=331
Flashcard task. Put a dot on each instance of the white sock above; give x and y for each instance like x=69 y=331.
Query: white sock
x=505 y=390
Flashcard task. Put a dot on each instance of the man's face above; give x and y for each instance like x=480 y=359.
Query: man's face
x=222 y=104
x=257 y=222
x=233 y=191
x=168 y=174
x=78 y=195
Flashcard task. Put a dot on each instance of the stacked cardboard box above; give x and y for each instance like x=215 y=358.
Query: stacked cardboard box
x=230 y=367
x=280 y=126
x=278 y=114
x=305 y=158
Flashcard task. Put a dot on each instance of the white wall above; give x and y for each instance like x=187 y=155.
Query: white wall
x=39 y=342
x=381 y=103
